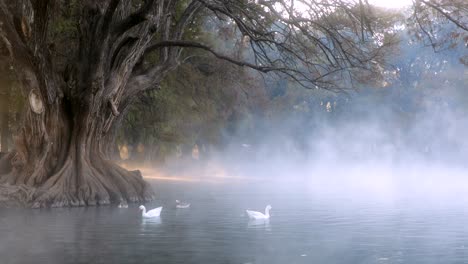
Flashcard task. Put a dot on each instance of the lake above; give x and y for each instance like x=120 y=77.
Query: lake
x=306 y=226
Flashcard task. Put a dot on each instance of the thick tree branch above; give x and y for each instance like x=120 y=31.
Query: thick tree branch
x=192 y=44
x=136 y=18
x=42 y=16
x=17 y=48
x=112 y=7
x=113 y=107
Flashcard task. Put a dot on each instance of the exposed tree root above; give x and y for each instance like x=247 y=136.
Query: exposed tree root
x=79 y=182
x=15 y=195
x=89 y=183
x=5 y=163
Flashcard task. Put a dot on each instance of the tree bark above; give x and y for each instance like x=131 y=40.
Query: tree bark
x=4 y=132
x=5 y=84
x=4 y=121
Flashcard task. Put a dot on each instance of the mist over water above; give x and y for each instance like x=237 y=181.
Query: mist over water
x=375 y=156
x=361 y=190
x=348 y=195
x=309 y=224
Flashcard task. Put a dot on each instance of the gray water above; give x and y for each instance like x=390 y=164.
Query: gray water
x=305 y=227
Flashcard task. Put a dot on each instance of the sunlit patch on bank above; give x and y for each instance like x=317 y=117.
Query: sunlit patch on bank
x=210 y=174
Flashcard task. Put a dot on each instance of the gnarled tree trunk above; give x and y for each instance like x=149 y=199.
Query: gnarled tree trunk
x=61 y=155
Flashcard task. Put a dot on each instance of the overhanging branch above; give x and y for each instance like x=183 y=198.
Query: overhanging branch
x=197 y=45
x=305 y=79
x=445 y=14
x=108 y=15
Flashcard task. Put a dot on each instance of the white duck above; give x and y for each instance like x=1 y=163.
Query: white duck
x=182 y=205
x=151 y=213
x=258 y=215
x=123 y=205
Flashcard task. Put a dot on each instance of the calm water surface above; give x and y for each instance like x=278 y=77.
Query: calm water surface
x=305 y=228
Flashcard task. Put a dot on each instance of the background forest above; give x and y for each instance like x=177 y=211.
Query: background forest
x=208 y=106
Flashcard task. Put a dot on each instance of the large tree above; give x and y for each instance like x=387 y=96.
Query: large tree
x=81 y=63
